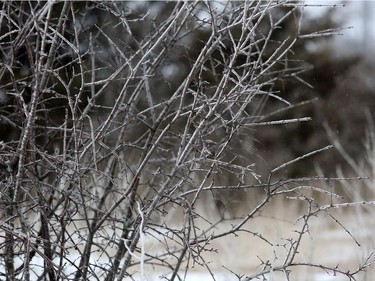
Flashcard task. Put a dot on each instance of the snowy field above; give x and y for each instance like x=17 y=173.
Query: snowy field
x=327 y=244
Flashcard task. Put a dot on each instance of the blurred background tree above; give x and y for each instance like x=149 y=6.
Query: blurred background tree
x=338 y=82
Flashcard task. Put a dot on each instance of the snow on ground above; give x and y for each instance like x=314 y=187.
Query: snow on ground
x=326 y=244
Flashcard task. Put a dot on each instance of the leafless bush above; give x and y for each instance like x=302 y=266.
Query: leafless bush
x=126 y=125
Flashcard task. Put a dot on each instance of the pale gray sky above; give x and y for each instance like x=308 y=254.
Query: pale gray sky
x=360 y=16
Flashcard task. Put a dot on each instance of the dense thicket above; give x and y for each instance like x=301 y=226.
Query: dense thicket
x=122 y=121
